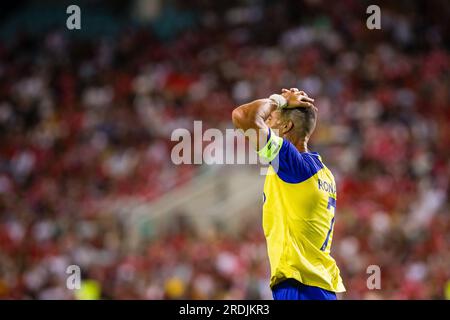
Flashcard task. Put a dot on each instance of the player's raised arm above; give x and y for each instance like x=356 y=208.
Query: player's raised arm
x=254 y=118
x=251 y=119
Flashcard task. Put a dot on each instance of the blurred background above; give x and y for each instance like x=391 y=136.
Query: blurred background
x=86 y=118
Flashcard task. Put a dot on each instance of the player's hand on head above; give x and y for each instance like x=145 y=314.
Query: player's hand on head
x=293 y=90
x=297 y=98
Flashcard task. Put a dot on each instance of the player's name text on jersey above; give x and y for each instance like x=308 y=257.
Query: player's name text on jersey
x=327 y=186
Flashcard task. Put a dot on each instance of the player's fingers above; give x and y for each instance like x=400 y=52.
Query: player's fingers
x=284 y=90
x=301 y=104
x=306 y=104
x=306 y=98
x=303 y=93
x=294 y=90
x=303 y=97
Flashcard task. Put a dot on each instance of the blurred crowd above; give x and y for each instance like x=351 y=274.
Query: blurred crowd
x=83 y=121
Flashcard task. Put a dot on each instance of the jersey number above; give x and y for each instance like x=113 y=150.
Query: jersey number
x=331 y=206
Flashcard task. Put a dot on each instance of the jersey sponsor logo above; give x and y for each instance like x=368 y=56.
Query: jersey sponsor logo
x=326 y=186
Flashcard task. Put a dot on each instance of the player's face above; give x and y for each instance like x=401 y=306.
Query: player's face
x=274 y=120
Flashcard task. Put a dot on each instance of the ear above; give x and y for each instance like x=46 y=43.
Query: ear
x=287 y=126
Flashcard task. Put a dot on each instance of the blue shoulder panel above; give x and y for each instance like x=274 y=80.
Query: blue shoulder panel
x=293 y=166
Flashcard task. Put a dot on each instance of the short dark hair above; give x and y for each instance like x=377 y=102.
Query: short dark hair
x=304 y=119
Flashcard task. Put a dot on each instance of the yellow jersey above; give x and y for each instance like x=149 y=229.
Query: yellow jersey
x=298 y=216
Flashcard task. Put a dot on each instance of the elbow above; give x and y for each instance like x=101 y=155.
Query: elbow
x=237 y=116
x=244 y=120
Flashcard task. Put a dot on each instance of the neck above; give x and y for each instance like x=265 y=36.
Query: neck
x=302 y=146
x=300 y=143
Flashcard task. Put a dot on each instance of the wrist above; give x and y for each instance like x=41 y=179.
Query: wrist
x=279 y=100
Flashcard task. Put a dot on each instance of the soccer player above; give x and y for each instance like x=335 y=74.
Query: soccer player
x=299 y=196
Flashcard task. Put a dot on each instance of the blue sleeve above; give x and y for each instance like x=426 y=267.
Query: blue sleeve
x=293 y=166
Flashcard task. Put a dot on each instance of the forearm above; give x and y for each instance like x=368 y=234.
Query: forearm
x=253 y=115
